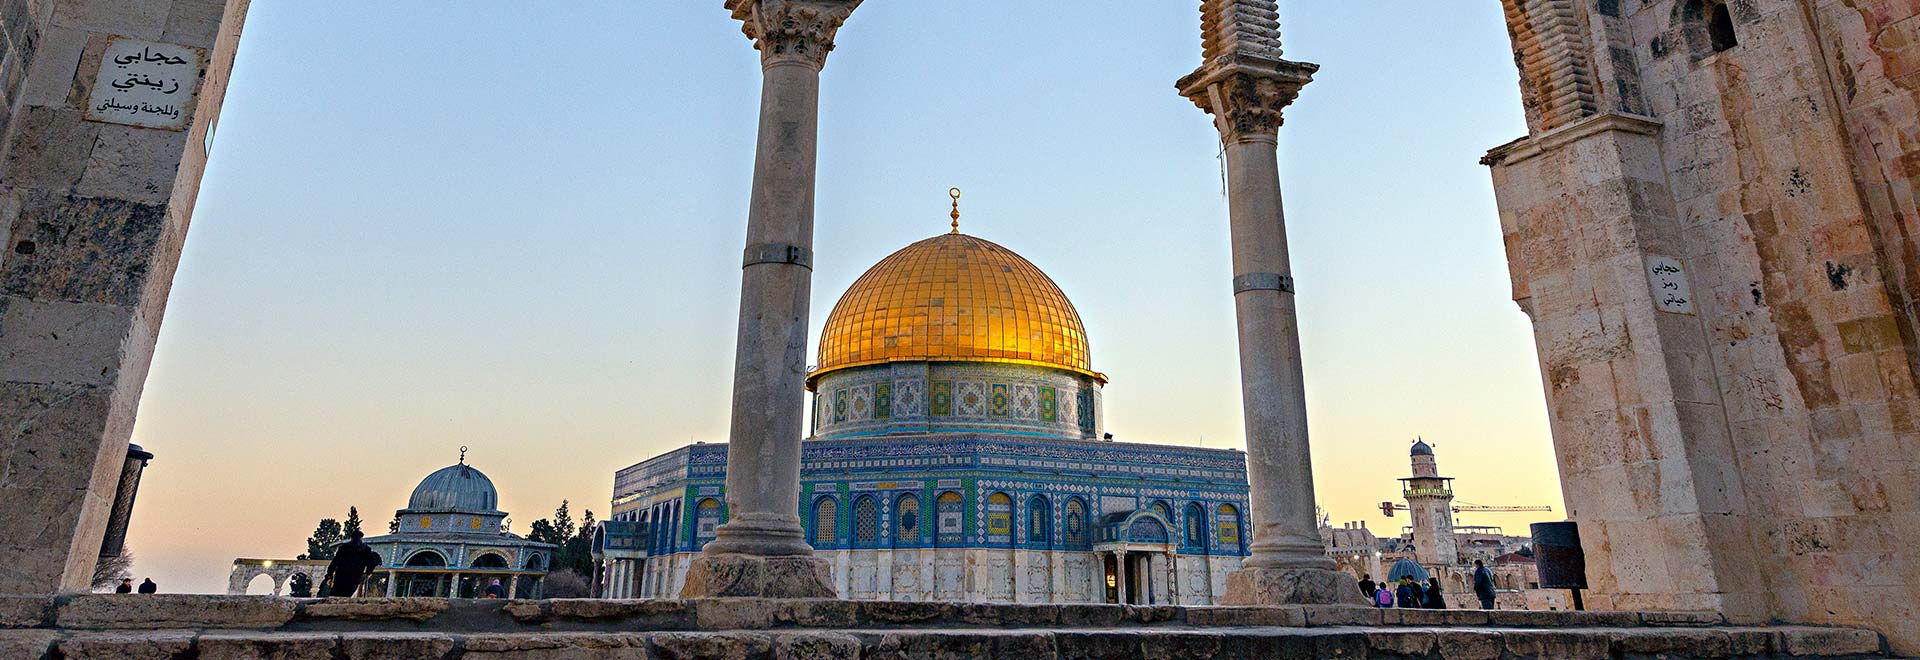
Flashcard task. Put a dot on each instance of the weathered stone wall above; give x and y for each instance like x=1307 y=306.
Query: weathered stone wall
x=93 y=214
x=1719 y=262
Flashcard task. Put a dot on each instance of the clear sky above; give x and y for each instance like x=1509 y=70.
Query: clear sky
x=517 y=227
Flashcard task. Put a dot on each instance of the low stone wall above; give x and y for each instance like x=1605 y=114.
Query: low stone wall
x=208 y=627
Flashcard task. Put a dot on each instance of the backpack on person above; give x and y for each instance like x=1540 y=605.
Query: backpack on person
x=1383 y=597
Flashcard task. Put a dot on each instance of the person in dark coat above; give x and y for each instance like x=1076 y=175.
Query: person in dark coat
x=148 y=587
x=1366 y=586
x=494 y=590
x=1383 y=596
x=126 y=586
x=1483 y=584
x=1433 y=599
x=352 y=563
x=1408 y=595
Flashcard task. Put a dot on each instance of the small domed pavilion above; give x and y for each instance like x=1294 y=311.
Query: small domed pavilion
x=451 y=542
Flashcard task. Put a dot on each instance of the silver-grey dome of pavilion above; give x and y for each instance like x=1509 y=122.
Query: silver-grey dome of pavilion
x=455 y=488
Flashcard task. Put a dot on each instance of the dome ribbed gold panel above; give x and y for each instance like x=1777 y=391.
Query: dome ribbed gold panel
x=955 y=298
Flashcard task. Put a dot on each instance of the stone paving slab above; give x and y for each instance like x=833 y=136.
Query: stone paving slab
x=1172 y=642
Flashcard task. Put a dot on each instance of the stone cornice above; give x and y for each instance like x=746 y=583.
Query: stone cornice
x=1528 y=147
x=1247 y=94
x=792 y=31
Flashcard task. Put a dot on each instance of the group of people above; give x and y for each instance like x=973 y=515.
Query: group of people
x=146 y=587
x=1407 y=593
x=1411 y=594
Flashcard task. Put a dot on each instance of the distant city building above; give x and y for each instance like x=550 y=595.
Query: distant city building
x=450 y=543
x=957 y=455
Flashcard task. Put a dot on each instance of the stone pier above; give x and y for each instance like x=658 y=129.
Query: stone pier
x=1246 y=86
x=107 y=110
x=761 y=550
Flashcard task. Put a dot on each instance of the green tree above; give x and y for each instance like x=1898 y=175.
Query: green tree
x=353 y=522
x=325 y=537
x=542 y=532
x=563 y=521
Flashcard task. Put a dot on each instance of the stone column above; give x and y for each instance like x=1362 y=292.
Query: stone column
x=1245 y=85
x=95 y=197
x=393 y=583
x=762 y=550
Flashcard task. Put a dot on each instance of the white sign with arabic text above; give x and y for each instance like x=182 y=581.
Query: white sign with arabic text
x=142 y=83
x=1668 y=279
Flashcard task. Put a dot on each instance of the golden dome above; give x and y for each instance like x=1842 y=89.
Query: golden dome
x=954 y=298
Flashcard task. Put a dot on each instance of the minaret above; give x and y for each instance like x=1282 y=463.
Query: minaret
x=1430 y=501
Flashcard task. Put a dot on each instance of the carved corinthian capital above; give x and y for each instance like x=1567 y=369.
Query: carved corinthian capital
x=1247 y=95
x=792 y=30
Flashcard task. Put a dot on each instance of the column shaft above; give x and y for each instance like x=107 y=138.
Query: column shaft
x=1279 y=469
x=769 y=383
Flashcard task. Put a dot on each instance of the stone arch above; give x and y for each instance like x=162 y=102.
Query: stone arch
x=536 y=561
x=426 y=557
x=489 y=559
x=280 y=570
x=274 y=583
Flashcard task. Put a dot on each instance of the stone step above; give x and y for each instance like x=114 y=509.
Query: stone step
x=1158 y=643
x=187 y=626
x=134 y=611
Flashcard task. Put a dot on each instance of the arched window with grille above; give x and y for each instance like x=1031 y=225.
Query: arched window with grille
x=1074 y=523
x=1229 y=524
x=1196 y=527
x=866 y=522
x=826 y=518
x=906 y=521
x=1161 y=507
x=1039 y=521
x=951 y=511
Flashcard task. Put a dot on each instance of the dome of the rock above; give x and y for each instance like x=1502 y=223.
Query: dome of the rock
x=954 y=298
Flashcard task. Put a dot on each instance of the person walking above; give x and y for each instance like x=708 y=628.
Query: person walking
x=126 y=586
x=1383 y=596
x=1483 y=584
x=1366 y=585
x=494 y=590
x=1433 y=599
x=352 y=563
x=148 y=587
x=1408 y=595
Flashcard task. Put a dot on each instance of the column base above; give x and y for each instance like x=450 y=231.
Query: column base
x=1291 y=586
x=752 y=576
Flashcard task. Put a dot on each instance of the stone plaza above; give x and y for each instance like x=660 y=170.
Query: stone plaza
x=1711 y=224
